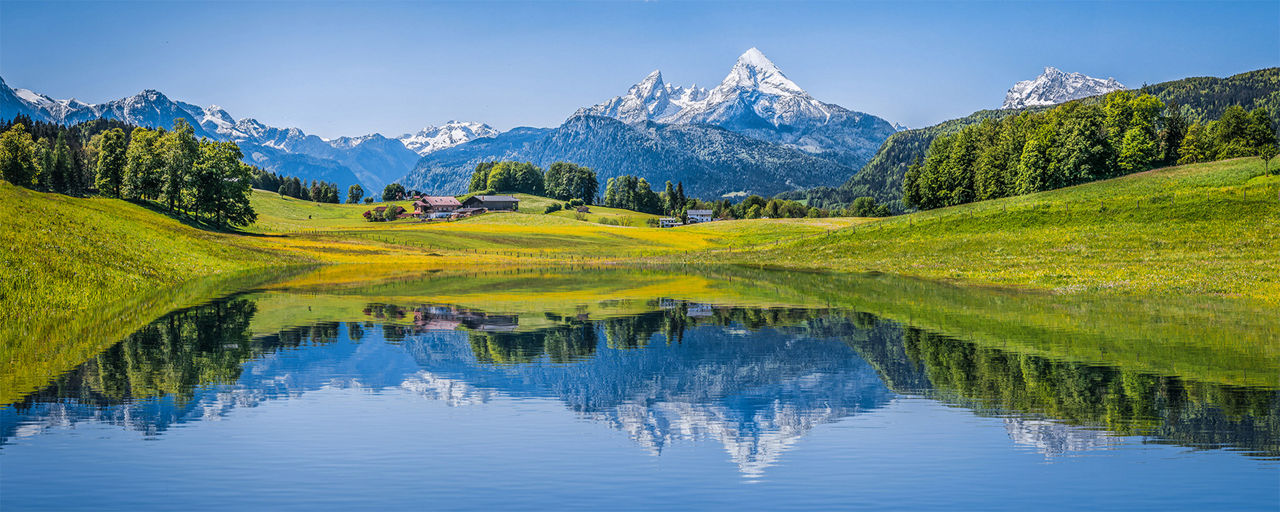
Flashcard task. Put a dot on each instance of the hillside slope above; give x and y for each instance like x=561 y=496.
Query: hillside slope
x=1205 y=229
x=1201 y=99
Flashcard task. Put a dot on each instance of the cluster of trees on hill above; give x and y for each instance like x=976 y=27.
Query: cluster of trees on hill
x=199 y=177
x=52 y=157
x=1076 y=142
x=562 y=180
x=291 y=186
x=634 y=193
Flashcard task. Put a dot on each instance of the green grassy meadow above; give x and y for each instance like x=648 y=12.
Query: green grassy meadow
x=1208 y=229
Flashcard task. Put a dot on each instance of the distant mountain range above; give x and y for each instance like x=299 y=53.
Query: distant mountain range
x=371 y=160
x=757 y=132
x=1054 y=86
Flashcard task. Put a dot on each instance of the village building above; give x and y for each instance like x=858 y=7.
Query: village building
x=698 y=216
x=461 y=213
x=435 y=204
x=669 y=222
x=492 y=203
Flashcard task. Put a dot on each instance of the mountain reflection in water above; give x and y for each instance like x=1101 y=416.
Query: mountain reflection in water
x=754 y=379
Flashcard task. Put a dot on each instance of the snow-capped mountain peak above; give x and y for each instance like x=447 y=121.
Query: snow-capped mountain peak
x=754 y=99
x=1056 y=86
x=452 y=133
x=755 y=71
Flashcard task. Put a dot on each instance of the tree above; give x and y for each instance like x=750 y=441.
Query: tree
x=1033 y=166
x=393 y=192
x=1231 y=134
x=1196 y=145
x=1267 y=153
x=142 y=165
x=1173 y=133
x=221 y=184
x=179 y=152
x=632 y=193
x=1137 y=151
x=566 y=181
x=110 y=164
x=354 y=193
x=60 y=172
x=669 y=199
x=18 y=157
x=480 y=177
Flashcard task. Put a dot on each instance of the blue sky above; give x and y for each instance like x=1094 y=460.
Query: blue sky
x=335 y=68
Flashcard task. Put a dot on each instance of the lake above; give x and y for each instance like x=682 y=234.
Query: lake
x=663 y=388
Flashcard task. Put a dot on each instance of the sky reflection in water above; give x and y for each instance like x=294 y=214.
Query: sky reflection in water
x=443 y=406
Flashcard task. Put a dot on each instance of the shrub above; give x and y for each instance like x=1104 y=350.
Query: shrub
x=392 y=212
x=554 y=207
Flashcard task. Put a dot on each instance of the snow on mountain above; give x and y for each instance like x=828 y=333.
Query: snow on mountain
x=1055 y=86
x=450 y=134
x=755 y=99
x=651 y=99
x=371 y=160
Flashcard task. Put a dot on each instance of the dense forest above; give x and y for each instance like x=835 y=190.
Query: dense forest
x=1199 y=99
x=1076 y=142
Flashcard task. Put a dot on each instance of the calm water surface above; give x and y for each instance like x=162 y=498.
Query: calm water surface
x=306 y=399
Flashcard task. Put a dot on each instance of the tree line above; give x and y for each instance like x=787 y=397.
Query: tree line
x=563 y=180
x=1076 y=142
x=292 y=186
x=198 y=177
x=635 y=193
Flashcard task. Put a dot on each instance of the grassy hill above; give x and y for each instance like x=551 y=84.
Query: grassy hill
x=1206 y=229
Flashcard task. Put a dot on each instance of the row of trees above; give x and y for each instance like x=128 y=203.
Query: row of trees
x=563 y=180
x=53 y=157
x=507 y=176
x=198 y=177
x=634 y=193
x=1075 y=143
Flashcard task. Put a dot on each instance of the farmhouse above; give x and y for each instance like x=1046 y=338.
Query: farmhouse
x=492 y=203
x=698 y=216
x=435 y=204
x=669 y=222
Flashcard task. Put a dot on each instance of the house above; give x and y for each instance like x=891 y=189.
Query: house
x=669 y=222
x=699 y=216
x=435 y=204
x=492 y=203
x=584 y=209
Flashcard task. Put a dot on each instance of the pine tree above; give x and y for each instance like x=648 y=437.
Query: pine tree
x=60 y=175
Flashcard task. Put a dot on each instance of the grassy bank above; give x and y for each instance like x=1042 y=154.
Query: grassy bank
x=1207 y=229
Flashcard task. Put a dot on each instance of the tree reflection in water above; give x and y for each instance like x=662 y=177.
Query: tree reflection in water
x=755 y=379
